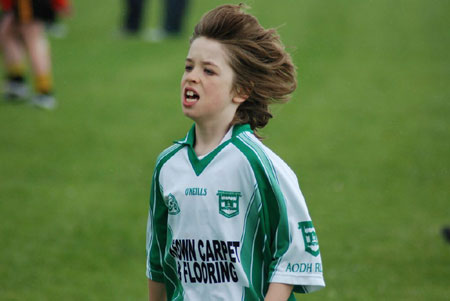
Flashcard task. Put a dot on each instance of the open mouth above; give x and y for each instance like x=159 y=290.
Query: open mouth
x=191 y=96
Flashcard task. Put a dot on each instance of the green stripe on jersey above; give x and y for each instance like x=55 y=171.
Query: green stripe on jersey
x=249 y=254
x=174 y=288
x=158 y=212
x=272 y=214
x=274 y=206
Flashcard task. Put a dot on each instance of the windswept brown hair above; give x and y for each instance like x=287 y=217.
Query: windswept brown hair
x=263 y=70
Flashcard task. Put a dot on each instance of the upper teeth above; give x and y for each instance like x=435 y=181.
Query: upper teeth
x=190 y=93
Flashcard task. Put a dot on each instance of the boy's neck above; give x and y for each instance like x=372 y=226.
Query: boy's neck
x=207 y=138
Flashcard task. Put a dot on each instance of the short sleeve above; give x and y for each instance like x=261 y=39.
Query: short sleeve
x=300 y=262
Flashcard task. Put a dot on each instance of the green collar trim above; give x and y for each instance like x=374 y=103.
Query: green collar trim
x=200 y=164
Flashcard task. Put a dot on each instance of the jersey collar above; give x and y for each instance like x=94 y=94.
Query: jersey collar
x=233 y=132
x=200 y=164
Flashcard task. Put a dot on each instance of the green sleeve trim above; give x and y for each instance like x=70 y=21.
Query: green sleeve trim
x=158 y=215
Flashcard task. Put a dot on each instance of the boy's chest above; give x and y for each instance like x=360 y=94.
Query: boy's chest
x=213 y=203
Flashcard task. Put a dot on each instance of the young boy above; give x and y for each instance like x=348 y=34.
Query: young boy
x=227 y=220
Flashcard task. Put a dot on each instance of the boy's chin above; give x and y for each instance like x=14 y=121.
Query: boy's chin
x=189 y=114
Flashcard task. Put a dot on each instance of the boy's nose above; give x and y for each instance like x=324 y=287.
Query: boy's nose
x=192 y=76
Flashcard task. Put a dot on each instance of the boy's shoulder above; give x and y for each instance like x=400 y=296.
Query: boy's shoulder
x=258 y=153
x=167 y=153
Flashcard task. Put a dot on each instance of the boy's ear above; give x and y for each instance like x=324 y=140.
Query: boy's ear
x=240 y=96
x=238 y=99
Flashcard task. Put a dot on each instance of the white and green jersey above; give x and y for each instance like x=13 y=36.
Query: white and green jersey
x=225 y=226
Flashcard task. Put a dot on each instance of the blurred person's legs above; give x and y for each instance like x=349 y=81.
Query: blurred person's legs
x=446 y=233
x=36 y=43
x=24 y=29
x=134 y=11
x=15 y=87
x=175 y=11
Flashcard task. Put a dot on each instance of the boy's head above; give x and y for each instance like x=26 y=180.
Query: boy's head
x=263 y=70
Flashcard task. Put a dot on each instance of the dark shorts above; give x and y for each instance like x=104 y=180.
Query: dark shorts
x=28 y=10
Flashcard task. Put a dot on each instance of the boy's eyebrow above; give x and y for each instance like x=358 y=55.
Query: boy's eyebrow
x=204 y=62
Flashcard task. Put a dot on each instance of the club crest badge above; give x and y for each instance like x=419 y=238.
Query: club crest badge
x=309 y=237
x=172 y=204
x=228 y=203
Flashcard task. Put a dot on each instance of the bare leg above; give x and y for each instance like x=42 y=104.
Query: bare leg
x=15 y=87
x=33 y=34
x=38 y=49
x=12 y=46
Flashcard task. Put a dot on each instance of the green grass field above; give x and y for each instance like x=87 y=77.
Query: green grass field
x=367 y=133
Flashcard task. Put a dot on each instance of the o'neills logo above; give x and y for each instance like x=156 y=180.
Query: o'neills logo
x=206 y=261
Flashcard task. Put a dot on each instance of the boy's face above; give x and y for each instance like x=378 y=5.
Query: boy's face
x=207 y=84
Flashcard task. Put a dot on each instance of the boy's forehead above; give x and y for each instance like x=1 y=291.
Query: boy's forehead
x=207 y=50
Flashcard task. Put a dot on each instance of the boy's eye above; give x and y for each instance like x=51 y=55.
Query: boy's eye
x=188 y=68
x=209 y=72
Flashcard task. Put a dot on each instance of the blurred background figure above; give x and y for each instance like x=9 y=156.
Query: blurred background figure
x=175 y=11
x=446 y=233
x=22 y=32
x=173 y=14
x=55 y=27
x=134 y=11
